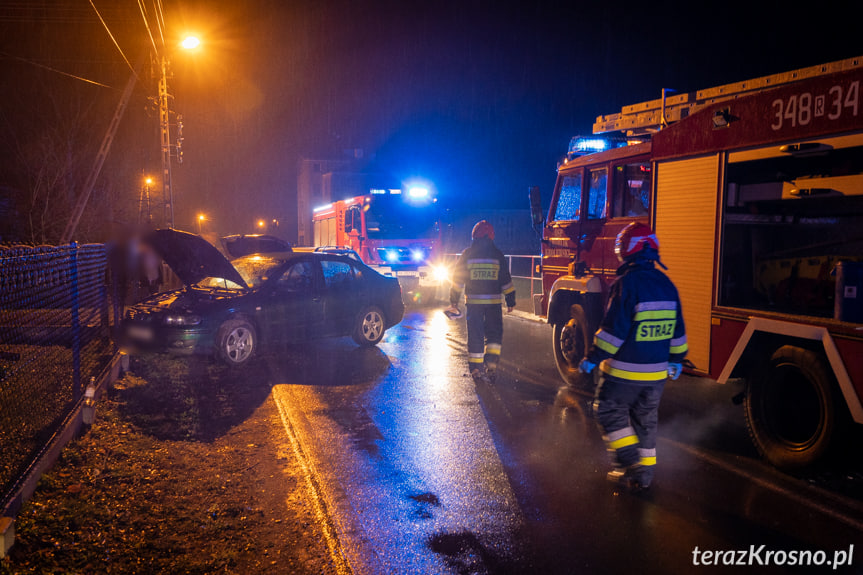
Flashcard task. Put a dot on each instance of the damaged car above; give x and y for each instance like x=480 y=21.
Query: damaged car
x=260 y=301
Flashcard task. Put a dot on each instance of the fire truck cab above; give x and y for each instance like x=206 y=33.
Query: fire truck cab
x=395 y=232
x=755 y=191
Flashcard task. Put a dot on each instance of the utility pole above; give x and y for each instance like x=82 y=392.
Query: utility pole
x=165 y=139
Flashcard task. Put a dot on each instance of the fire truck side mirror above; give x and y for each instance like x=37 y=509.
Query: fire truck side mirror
x=536 y=214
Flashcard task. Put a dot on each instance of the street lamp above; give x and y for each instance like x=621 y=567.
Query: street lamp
x=201 y=219
x=145 y=196
x=165 y=131
x=262 y=224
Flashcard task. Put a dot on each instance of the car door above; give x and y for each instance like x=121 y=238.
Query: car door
x=340 y=298
x=294 y=308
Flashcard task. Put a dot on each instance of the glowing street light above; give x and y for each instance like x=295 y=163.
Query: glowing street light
x=262 y=224
x=190 y=43
x=201 y=219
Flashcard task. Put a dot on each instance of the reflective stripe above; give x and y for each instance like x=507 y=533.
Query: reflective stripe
x=678 y=348
x=475 y=355
x=620 y=433
x=643 y=452
x=482 y=299
x=679 y=345
x=476 y=266
x=483 y=261
x=655 y=305
x=656 y=314
x=493 y=348
x=607 y=342
x=623 y=442
x=635 y=371
x=647 y=461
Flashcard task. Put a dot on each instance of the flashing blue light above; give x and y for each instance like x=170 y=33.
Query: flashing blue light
x=418 y=192
x=589 y=145
x=392 y=256
x=417 y=255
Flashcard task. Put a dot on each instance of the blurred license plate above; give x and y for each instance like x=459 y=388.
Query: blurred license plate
x=407 y=274
x=140 y=333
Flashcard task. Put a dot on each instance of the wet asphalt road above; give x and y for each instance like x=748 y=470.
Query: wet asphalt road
x=420 y=470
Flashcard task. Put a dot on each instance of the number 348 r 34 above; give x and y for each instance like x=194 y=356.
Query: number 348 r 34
x=800 y=109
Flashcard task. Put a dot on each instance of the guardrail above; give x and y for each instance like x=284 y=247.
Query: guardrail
x=57 y=310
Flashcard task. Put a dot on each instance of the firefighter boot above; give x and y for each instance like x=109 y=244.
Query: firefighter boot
x=628 y=478
x=478 y=375
x=491 y=371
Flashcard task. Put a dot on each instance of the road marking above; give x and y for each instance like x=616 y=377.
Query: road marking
x=314 y=489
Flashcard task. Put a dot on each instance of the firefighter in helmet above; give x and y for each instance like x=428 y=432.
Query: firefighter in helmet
x=482 y=273
x=640 y=342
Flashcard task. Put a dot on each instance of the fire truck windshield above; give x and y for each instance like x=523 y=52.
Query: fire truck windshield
x=393 y=218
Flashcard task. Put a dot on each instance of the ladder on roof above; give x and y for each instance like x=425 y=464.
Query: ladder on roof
x=647 y=117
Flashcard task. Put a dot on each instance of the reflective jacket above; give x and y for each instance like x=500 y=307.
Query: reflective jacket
x=642 y=330
x=483 y=275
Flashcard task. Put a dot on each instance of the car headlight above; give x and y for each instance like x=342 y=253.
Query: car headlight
x=182 y=319
x=440 y=273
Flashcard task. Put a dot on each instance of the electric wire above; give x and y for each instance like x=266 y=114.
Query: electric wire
x=37 y=64
x=160 y=20
x=114 y=40
x=147 y=25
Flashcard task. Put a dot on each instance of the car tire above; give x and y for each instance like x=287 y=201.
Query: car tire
x=369 y=326
x=237 y=341
x=571 y=342
x=790 y=409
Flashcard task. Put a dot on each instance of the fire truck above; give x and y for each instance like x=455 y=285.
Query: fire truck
x=395 y=232
x=755 y=190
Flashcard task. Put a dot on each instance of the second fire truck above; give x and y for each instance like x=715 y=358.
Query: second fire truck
x=394 y=231
x=755 y=191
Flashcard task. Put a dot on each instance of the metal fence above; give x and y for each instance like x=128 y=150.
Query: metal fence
x=56 y=318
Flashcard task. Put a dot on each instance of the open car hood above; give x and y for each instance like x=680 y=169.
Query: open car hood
x=191 y=257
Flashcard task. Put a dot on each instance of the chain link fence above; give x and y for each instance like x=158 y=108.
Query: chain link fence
x=57 y=310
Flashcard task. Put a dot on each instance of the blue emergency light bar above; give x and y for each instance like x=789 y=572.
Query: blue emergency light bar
x=581 y=145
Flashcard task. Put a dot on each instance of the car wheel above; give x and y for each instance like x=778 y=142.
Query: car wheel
x=790 y=410
x=237 y=342
x=369 y=327
x=571 y=341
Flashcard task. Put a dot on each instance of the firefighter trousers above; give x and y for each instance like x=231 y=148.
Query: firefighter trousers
x=627 y=414
x=484 y=335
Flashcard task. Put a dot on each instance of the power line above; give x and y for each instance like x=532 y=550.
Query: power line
x=147 y=24
x=38 y=65
x=160 y=20
x=114 y=40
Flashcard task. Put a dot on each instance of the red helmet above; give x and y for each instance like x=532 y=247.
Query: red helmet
x=482 y=229
x=634 y=238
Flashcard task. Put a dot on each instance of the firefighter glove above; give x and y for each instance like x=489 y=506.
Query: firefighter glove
x=586 y=366
x=674 y=370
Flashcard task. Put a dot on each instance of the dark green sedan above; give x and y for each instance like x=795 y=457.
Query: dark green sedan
x=259 y=301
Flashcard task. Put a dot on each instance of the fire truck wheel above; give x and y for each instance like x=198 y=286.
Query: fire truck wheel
x=237 y=342
x=571 y=341
x=790 y=410
x=369 y=327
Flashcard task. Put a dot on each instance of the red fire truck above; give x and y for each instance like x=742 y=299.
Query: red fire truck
x=755 y=191
x=395 y=232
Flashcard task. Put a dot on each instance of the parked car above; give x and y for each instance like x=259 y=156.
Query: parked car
x=259 y=301
x=239 y=245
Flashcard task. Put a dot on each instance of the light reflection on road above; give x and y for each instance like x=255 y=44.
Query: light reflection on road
x=432 y=494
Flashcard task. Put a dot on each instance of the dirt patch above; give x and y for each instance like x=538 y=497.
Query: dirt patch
x=186 y=470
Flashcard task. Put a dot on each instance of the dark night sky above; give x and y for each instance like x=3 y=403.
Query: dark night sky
x=480 y=98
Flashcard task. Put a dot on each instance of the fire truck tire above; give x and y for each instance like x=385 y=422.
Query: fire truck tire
x=369 y=326
x=790 y=410
x=571 y=341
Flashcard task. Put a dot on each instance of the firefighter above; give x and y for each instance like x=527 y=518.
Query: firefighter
x=482 y=273
x=640 y=342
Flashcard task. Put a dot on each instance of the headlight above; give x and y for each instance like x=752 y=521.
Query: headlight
x=418 y=255
x=182 y=319
x=440 y=273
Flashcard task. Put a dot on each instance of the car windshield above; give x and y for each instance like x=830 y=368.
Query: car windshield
x=255 y=270
x=392 y=217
